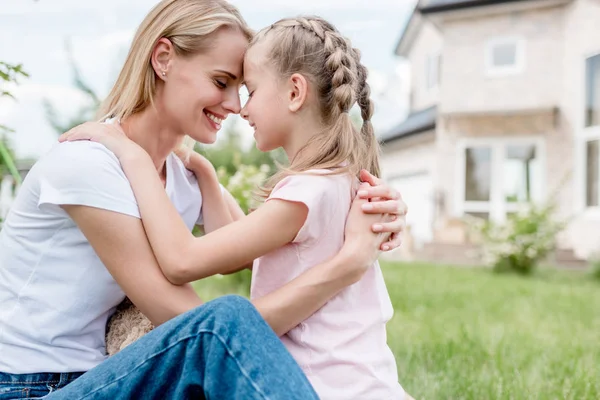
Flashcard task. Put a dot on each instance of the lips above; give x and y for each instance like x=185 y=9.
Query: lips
x=215 y=119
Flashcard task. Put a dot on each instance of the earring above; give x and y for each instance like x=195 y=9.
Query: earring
x=163 y=73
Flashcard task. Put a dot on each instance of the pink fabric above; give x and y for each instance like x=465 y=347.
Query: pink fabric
x=342 y=347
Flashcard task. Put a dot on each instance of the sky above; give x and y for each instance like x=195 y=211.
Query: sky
x=34 y=33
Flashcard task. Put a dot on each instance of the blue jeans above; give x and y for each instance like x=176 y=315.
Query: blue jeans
x=221 y=350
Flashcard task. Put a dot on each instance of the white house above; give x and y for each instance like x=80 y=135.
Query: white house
x=504 y=108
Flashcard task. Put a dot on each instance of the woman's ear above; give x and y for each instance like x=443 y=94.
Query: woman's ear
x=297 y=92
x=162 y=57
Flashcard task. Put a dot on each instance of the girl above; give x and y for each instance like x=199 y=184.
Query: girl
x=73 y=244
x=302 y=77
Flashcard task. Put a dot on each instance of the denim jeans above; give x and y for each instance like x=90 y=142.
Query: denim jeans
x=220 y=350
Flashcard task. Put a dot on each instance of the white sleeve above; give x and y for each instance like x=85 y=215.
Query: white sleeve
x=200 y=220
x=85 y=173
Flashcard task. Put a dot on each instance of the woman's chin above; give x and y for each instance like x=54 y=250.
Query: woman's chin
x=205 y=137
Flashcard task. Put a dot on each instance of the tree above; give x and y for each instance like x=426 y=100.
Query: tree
x=9 y=73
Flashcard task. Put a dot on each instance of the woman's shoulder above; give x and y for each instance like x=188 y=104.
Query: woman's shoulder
x=80 y=161
x=77 y=154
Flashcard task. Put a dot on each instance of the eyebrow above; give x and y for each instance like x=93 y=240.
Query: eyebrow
x=232 y=76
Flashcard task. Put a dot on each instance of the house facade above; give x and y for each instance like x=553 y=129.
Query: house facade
x=504 y=109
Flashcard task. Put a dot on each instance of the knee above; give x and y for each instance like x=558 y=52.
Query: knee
x=232 y=308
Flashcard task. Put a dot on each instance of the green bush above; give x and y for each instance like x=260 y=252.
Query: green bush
x=242 y=185
x=519 y=244
x=595 y=267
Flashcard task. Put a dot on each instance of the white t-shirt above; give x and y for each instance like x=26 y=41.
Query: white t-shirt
x=55 y=294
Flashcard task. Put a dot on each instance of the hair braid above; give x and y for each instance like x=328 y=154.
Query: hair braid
x=366 y=113
x=314 y=48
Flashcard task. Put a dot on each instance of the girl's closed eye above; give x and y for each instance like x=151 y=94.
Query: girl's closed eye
x=221 y=84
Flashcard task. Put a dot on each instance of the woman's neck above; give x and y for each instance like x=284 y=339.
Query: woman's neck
x=153 y=135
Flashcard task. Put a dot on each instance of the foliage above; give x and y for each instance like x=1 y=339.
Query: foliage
x=519 y=244
x=241 y=170
x=595 y=267
x=230 y=152
x=9 y=73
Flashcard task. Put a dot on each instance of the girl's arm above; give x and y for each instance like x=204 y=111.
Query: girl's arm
x=184 y=258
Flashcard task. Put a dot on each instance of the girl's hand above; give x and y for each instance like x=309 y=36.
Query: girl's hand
x=109 y=135
x=383 y=199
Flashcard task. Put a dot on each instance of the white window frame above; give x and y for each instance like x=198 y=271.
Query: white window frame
x=583 y=136
x=432 y=71
x=492 y=70
x=589 y=134
x=497 y=207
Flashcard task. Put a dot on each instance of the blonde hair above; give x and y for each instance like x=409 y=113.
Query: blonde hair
x=188 y=24
x=314 y=48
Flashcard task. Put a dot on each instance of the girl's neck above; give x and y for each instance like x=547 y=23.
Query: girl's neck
x=153 y=135
x=300 y=135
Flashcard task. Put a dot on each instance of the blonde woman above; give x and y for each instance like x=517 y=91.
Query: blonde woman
x=73 y=245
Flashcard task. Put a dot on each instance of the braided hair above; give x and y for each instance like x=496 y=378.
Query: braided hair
x=313 y=47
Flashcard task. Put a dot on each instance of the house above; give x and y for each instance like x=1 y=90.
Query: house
x=504 y=108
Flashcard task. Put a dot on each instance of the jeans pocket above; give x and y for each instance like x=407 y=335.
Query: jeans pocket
x=13 y=393
x=37 y=393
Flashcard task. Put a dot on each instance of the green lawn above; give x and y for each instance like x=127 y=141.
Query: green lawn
x=462 y=333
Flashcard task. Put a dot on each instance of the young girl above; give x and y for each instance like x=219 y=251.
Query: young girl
x=303 y=77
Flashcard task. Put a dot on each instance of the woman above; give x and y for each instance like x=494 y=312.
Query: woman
x=73 y=245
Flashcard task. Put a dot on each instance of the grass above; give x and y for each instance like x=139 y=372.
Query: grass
x=461 y=333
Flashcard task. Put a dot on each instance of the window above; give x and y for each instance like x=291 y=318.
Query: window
x=505 y=56
x=432 y=71
x=478 y=169
x=592 y=188
x=499 y=175
x=521 y=173
x=592 y=91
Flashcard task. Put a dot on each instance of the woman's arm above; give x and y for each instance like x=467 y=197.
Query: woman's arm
x=215 y=209
x=234 y=208
x=120 y=242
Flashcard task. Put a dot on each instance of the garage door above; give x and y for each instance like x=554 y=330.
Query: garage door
x=417 y=192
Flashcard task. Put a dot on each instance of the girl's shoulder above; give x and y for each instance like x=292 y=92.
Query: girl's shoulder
x=319 y=184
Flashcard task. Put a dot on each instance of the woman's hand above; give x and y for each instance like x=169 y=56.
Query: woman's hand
x=109 y=135
x=361 y=244
x=383 y=199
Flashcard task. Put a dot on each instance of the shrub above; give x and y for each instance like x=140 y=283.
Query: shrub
x=519 y=244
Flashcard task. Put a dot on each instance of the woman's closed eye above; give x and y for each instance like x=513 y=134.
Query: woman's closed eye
x=221 y=84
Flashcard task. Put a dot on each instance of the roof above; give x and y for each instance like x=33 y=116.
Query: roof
x=416 y=122
x=411 y=27
x=435 y=6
